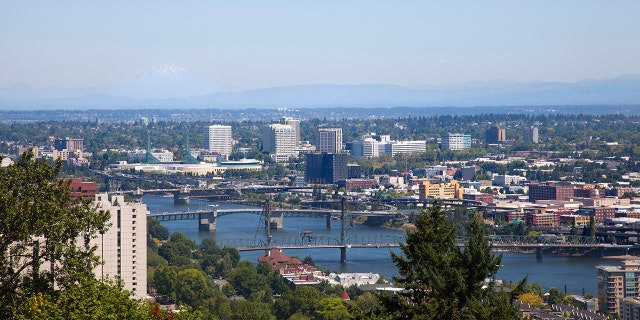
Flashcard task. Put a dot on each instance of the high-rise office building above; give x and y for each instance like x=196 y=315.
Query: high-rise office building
x=330 y=139
x=531 y=134
x=280 y=141
x=326 y=167
x=455 y=141
x=364 y=148
x=217 y=138
x=69 y=144
x=396 y=147
x=495 y=135
x=616 y=283
x=123 y=247
x=295 y=123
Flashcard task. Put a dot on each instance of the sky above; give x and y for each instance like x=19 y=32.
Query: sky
x=255 y=44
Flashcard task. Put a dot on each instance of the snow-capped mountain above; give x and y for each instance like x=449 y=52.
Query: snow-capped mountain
x=163 y=82
x=177 y=87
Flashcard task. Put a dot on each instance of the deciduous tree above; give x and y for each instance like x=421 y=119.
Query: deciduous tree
x=45 y=243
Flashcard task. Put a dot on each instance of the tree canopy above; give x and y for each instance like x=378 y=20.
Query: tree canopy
x=45 y=243
x=443 y=281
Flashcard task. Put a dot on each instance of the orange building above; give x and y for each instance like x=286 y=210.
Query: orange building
x=451 y=190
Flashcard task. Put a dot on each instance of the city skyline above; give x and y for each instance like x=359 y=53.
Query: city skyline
x=259 y=45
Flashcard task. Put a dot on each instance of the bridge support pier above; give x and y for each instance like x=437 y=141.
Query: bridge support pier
x=137 y=195
x=181 y=196
x=207 y=221
x=343 y=254
x=328 y=220
x=539 y=253
x=276 y=220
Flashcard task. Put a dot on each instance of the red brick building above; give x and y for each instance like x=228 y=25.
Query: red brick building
x=539 y=217
x=601 y=213
x=351 y=184
x=550 y=192
x=84 y=189
x=484 y=197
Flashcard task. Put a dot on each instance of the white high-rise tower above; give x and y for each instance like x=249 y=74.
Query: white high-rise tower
x=217 y=138
x=123 y=247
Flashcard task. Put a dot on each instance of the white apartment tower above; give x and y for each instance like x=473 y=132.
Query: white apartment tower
x=123 y=247
x=295 y=123
x=531 y=134
x=217 y=138
x=280 y=141
x=330 y=139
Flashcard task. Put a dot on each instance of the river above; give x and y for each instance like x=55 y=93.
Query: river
x=576 y=274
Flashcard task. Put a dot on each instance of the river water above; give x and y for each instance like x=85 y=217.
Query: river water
x=576 y=275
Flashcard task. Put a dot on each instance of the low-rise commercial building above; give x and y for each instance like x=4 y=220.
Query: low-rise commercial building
x=600 y=213
x=451 y=190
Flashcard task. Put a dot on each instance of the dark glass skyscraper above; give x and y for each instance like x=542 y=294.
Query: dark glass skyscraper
x=325 y=167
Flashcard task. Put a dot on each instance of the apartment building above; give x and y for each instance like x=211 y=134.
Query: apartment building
x=616 y=283
x=123 y=247
x=630 y=308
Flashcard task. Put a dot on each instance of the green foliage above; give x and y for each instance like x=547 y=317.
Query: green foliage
x=192 y=287
x=165 y=279
x=178 y=250
x=45 y=227
x=247 y=281
x=331 y=308
x=252 y=310
x=443 y=281
x=557 y=297
x=157 y=230
x=300 y=301
x=89 y=299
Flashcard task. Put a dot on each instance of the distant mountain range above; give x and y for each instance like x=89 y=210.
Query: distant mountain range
x=177 y=87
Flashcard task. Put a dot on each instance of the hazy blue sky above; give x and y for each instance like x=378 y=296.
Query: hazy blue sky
x=271 y=43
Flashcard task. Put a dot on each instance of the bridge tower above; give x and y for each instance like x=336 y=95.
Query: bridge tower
x=343 y=231
x=267 y=214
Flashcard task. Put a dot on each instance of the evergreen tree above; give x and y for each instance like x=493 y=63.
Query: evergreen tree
x=443 y=281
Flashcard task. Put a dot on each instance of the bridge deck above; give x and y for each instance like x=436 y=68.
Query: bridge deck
x=222 y=212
